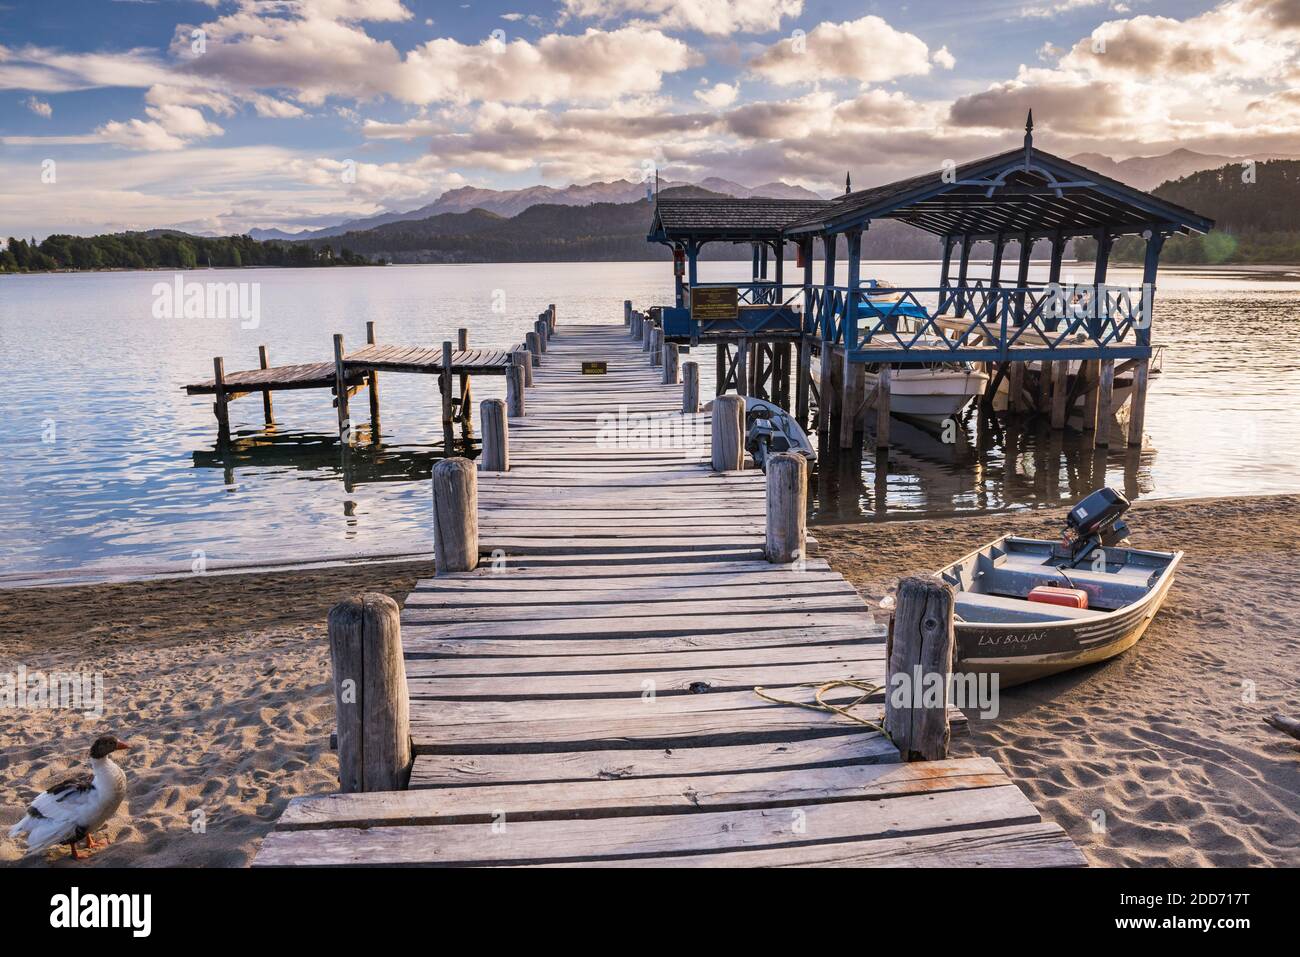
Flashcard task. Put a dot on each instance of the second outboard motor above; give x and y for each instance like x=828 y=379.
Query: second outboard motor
x=1093 y=523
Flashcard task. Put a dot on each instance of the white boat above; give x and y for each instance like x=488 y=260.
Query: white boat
x=930 y=393
x=1025 y=608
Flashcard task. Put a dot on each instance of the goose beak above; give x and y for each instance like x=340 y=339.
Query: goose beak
x=122 y=746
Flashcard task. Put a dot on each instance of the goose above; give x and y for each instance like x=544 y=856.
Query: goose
x=77 y=806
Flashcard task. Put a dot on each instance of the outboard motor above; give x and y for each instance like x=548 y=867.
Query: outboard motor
x=1093 y=523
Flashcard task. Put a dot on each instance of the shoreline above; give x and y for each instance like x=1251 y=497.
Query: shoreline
x=87 y=575
x=222 y=684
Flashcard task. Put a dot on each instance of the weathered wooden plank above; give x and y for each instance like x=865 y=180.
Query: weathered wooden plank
x=416 y=626
x=629 y=797
x=465 y=770
x=1020 y=845
x=584 y=840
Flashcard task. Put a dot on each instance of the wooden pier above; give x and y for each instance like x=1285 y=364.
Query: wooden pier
x=349 y=372
x=586 y=696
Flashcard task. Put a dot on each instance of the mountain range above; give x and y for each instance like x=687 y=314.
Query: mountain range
x=512 y=202
x=1148 y=172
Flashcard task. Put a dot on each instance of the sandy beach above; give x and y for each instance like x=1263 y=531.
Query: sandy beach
x=1157 y=758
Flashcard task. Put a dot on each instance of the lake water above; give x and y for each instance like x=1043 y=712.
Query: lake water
x=108 y=467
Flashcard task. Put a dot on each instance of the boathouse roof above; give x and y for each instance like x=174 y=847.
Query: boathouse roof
x=707 y=219
x=1021 y=191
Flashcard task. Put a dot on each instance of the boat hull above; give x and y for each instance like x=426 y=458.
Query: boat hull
x=1024 y=651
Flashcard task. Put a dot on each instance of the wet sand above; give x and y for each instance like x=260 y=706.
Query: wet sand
x=221 y=683
x=1158 y=757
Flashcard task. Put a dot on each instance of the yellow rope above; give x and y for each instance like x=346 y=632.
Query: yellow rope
x=825 y=688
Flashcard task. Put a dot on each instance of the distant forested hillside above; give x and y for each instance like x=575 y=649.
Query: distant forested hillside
x=163 y=249
x=1255 y=221
x=600 y=232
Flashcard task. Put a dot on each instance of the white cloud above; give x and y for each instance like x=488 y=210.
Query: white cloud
x=715 y=17
x=718 y=95
x=41 y=108
x=942 y=58
x=868 y=50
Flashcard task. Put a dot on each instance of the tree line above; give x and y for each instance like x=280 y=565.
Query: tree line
x=164 y=250
x=1256 y=213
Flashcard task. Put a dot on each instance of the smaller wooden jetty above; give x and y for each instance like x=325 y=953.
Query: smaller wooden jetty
x=581 y=689
x=348 y=372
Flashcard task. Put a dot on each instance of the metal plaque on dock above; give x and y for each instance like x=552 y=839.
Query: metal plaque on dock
x=595 y=368
x=715 y=302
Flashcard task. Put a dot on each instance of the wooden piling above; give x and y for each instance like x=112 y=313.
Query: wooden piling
x=882 y=407
x=540 y=327
x=627 y=312
x=787 y=505
x=919 y=657
x=647 y=332
x=803 y=382
x=1091 y=371
x=1016 y=387
x=444 y=383
x=221 y=407
x=1105 y=399
x=523 y=359
x=1060 y=392
x=742 y=367
x=455 y=516
x=690 y=388
x=341 y=391
x=534 y=347
x=550 y=319
x=656 y=347
x=372 y=387
x=669 y=354
x=268 y=415
x=372 y=711
x=496 y=434
x=1137 y=413
x=515 y=391
x=466 y=389
x=728 y=433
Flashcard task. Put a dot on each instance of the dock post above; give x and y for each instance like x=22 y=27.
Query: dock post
x=1046 y=372
x=671 y=354
x=1090 y=370
x=534 y=347
x=1137 y=414
x=540 y=328
x=634 y=330
x=268 y=416
x=1105 y=399
x=448 y=435
x=221 y=407
x=742 y=367
x=882 y=406
x=1060 y=389
x=515 y=391
x=787 y=507
x=466 y=389
x=341 y=391
x=803 y=382
x=728 y=433
x=455 y=516
x=919 y=655
x=647 y=330
x=1015 y=387
x=656 y=347
x=627 y=312
x=524 y=360
x=372 y=386
x=690 y=388
x=550 y=319
x=496 y=434
x=720 y=356
x=372 y=710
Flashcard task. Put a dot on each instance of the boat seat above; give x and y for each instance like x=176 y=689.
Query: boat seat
x=977 y=607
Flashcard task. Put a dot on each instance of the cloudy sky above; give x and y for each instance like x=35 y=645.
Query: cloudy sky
x=222 y=115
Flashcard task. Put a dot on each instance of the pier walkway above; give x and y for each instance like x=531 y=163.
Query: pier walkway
x=586 y=696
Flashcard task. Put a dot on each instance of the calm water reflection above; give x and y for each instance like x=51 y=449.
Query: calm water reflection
x=107 y=463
